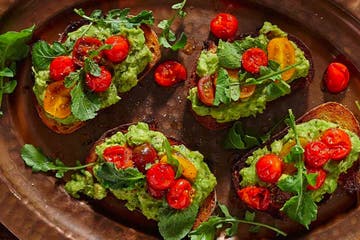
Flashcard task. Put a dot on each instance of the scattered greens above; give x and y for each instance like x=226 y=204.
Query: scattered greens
x=13 y=47
x=167 y=37
x=43 y=53
x=207 y=230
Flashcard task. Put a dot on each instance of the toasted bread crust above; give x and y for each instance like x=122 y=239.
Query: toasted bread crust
x=151 y=41
x=209 y=204
x=330 y=111
x=210 y=122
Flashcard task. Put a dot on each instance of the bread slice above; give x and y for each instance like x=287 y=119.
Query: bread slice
x=151 y=41
x=331 y=112
x=210 y=122
x=205 y=211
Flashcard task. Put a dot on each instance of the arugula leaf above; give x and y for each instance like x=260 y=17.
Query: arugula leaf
x=238 y=139
x=229 y=55
x=90 y=66
x=277 y=89
x=43 y=53
x=222 y=93
x=84 y=105
x=111 y=177
x=249 y=42
x=167 y=38
x=73 y=78
x=357 y=104
x=6 y=72
x=171 y=160
x=9 y=86
x=34 y=158
x=175 y=224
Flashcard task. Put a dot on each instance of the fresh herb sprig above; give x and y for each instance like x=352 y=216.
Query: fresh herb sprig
x=34 y=158
x=171 y=160
x=13 y=47
x=207 y=230
x=167 y=37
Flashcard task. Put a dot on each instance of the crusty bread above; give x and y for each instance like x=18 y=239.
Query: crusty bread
x=151 y=41
x=209 y=204
x=211 y=123
x=330 y=111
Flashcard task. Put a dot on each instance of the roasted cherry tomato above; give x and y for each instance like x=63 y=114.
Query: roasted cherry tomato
x=57 y=100
x=169 y=73
x=60 y=67
x=82 y=48
x=320 y=179
x=255 y=197
x=160 y=176
x=336 y=77
x=338 y=142
x=316 y=154
x=224 y=26
x=253 y=59
x=206 y=90
x=119 y=155
x=158 y=194
x=269 y=168
x=101 y=83
x=119 y=49
x=180 y=194
x=142 y=155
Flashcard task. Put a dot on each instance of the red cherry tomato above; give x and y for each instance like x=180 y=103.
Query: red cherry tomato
x=82 y=48
x=255 y=197
x=316 y=154
x=169 y=73
x=338 y=142
x=320 y=179
x=179 y=195
x=60 y=67
x=143 y=155
x=206 y=90
x=119 y=49
x=101 y=83
x=269 y=168
x=336 y=77
x=160 y=176
x=158 y=194
x=253 y=59
x=224 y=26
x=119 y=155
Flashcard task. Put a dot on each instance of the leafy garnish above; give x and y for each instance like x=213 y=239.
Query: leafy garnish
x=357 y=104
x=223 y=92
x=171 y=160
x=73 y=78
x=301 y=207
x=111 y=177
x=13 y=47
x=43 y=53
x=167 y=37
x=34 y=158
x=207 y=230
x=229 y=55
x=90 y=66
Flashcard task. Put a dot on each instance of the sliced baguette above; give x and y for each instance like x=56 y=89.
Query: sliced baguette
x=151 y=41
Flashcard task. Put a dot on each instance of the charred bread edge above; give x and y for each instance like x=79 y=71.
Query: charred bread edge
x=209 y=204
x=151 y=41
x=330 y=111
x=210 y=122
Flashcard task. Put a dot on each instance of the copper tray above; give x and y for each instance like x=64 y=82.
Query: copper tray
x=35 y=206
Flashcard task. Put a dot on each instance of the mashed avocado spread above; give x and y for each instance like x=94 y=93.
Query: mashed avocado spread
x=208 y=64
x=310 y=130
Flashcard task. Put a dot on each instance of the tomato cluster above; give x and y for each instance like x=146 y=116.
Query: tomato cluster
x=160 y=176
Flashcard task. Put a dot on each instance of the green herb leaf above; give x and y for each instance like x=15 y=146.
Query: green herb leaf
x=144 y=17
x=73 y=78
x=229 y=55
x=7 y=72
x=90 y=66
x=84 y=105
x=291 y=184
x=249 y=42
x=9 y=86
x=222 y=93
x=94 y=53
x=276 y=89
x=171 y=160
x=238 y=139
x=180 y=43
x=43 y=54
x=311 y=178
x=111 y=177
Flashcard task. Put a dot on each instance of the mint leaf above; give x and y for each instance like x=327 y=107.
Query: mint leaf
x=43 y=53
x=111 y=177
x=229 y=55
x=176 y=224
x=84 y=105
x=90 y=66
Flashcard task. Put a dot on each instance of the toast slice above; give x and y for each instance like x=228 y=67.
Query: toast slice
x=331 y=112
x=151 y=41
x=210 y=122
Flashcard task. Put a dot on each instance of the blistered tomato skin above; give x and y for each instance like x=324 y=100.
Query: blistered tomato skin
x=160 y=176
x=316 y=154
x=142 y=155
x=338 y=142
x=253 y=59
x=206 y=90
x=269 y=168
x=158 y=194
x=320 y=179
x=60 y=67
x=255 y=197
x=119 y=49
x=169 y=73
x=82 y=48
x=101 y=83
x=179 y=195
x=336 y=77
x=224 y=26
x=119 y=155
